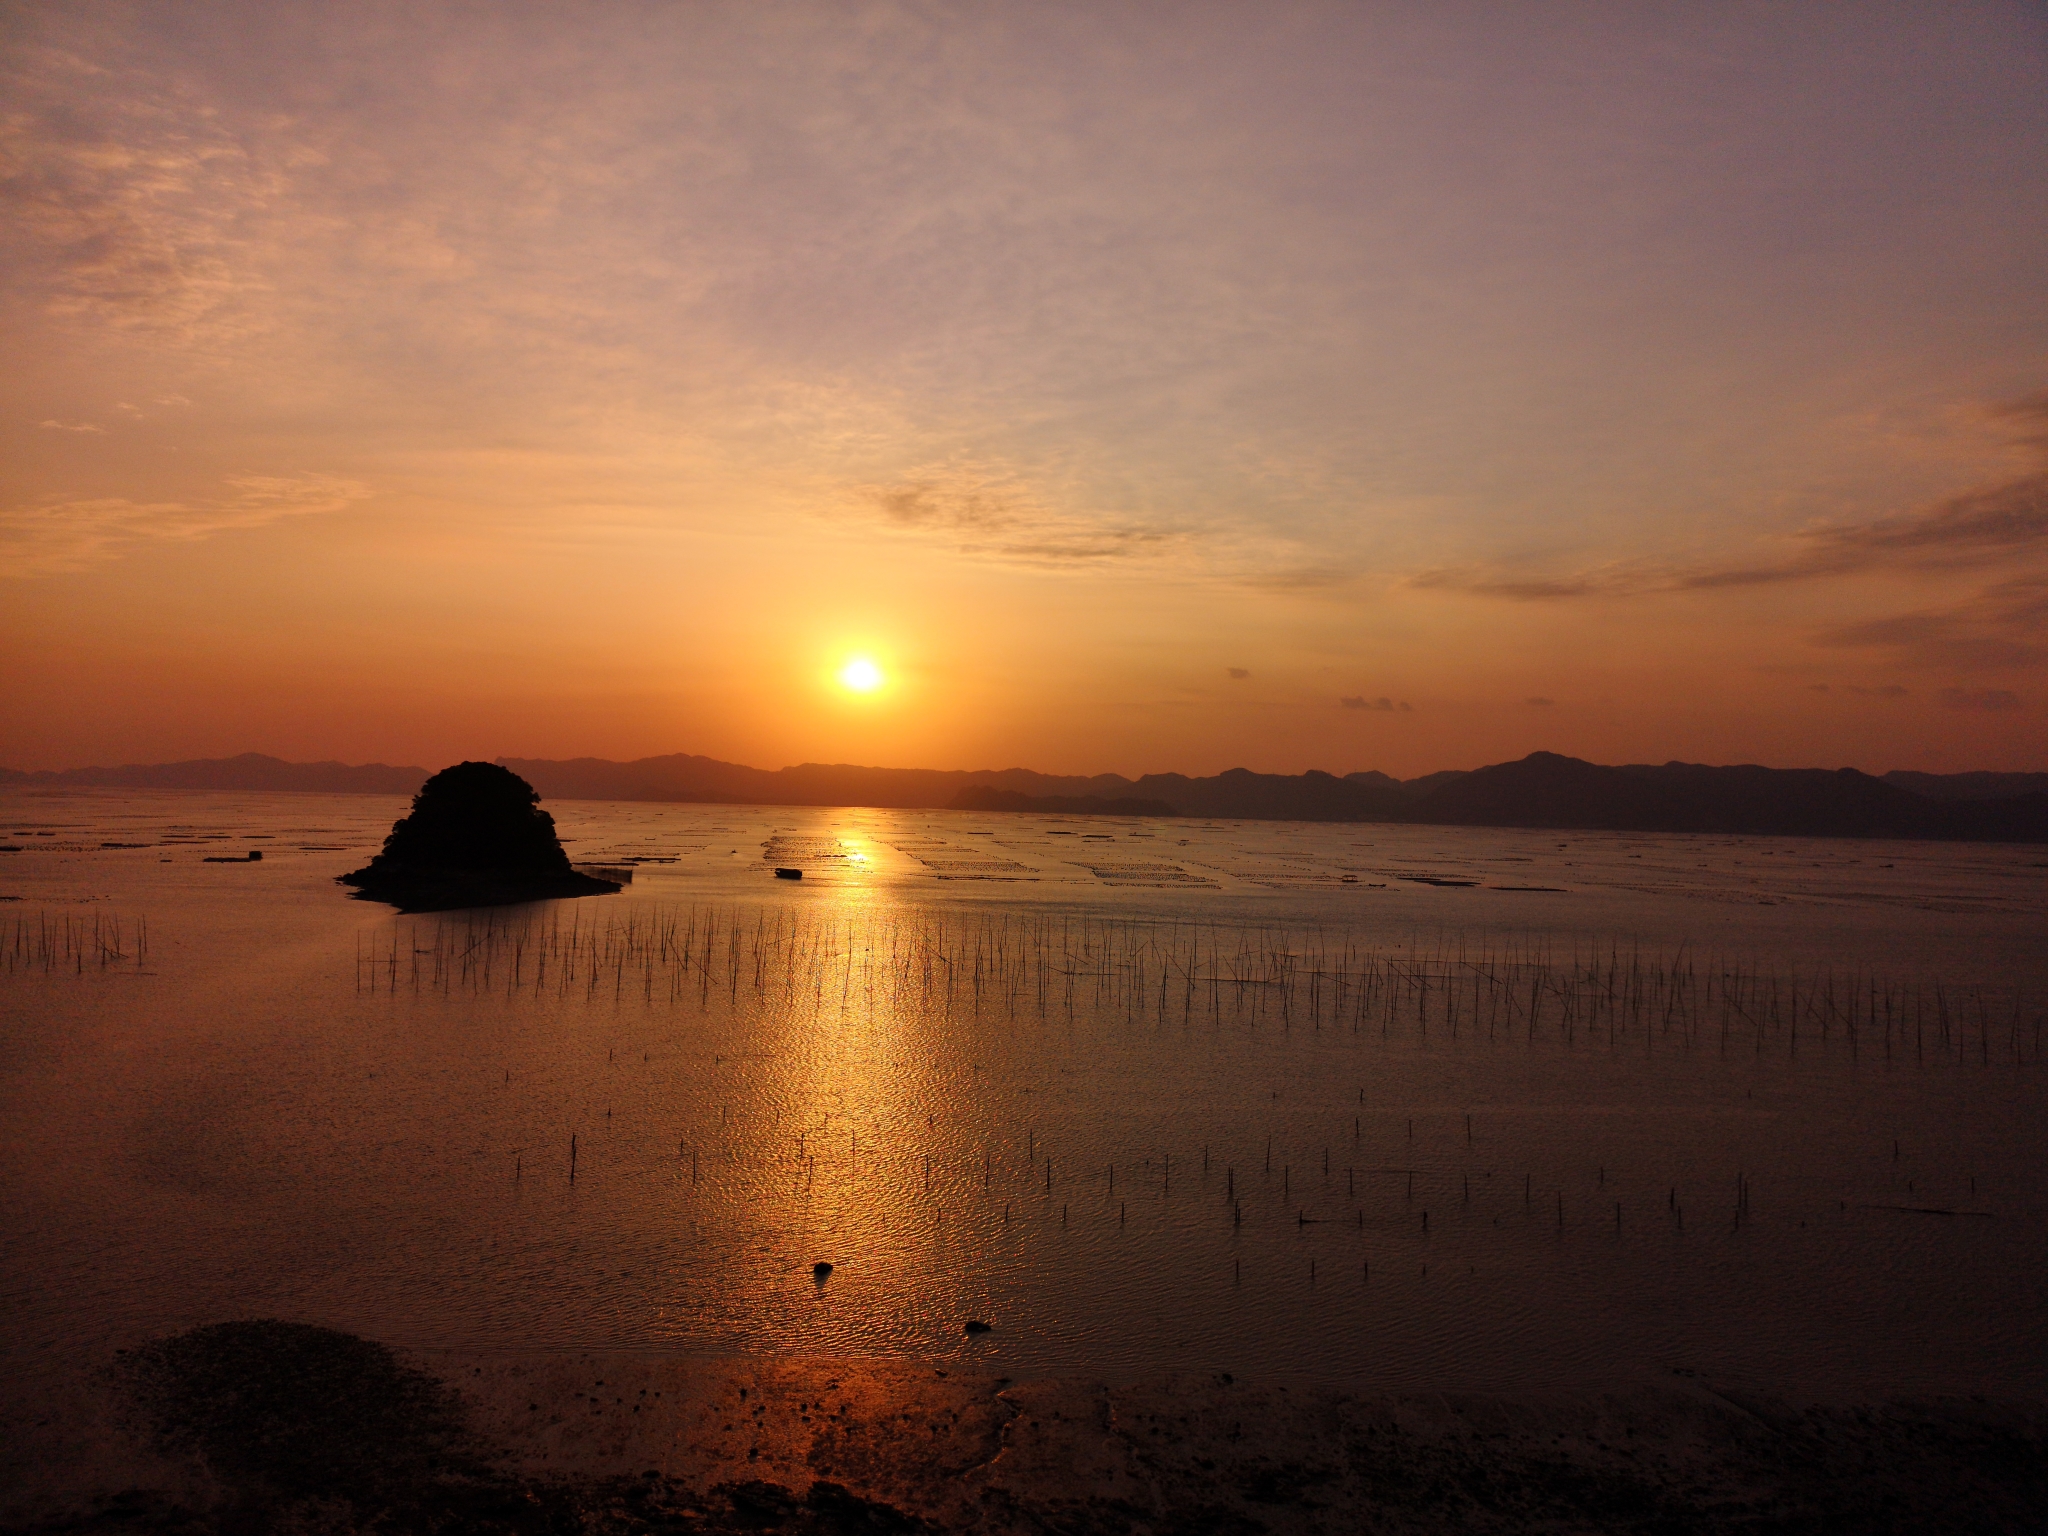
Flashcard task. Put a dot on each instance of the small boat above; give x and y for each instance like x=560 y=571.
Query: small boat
x=789 y=874
x=821 y=1271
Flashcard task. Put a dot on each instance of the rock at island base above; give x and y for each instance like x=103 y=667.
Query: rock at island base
x=475 y=837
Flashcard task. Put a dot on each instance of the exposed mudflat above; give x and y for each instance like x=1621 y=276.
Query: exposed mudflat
x=1429 y=1180
x=638 y=1442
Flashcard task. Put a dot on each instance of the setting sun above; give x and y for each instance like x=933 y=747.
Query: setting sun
x=861 y=675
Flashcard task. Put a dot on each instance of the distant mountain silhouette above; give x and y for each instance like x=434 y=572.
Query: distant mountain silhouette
x=1372 y=778
x=475 y=837
x=1541 y=790
x=1969 y=786
x=1430 y=781
x=684 y=777
x=981 y=797
x=1546 y=790
x=251 y=770
x=1238 y=793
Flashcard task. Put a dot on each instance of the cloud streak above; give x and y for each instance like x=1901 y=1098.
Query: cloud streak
x=1998 y=628
x=141 y=213
x=989 y=513
x=1978 y=528
x=57 y=537
x=1994 y=700
x=1380 y=705
x=1058 y=350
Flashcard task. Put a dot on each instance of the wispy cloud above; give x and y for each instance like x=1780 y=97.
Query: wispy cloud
x=1383 y=705
x=62 y=536
x=69 y=426
x=1979 y=528
x=1998 y=525
x=2000 y=627
x=991 y=512
x=1993 y=699
x=134 y=214
x=1286 y=578
x=1981 y=525
x=2026 y=419
x=1239 y=318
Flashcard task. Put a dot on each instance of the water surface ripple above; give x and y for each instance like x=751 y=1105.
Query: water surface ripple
x=1394 y=1107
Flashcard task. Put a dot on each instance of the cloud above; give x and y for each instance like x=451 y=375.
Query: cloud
x=1238 y=673
x=54 y=537
x=1466 y=579
x=128 y=203
x=1979 y=524
x=1997 y=522
x=1541 y=703
x=1901 y=629
x=1999 y=627
x=2001 y=524
x=1296 y=578
x=69 y=426
x=1382 y=704
x=991 y=512
x=2028 y=417
x=1981 y=527
x=1980 y=698
x=1888 y=691
x=957 y=506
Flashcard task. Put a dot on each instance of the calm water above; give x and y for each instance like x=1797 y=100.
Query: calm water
x=1279 y=1099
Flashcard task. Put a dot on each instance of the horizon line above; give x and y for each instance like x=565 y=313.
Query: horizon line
x=507 y=758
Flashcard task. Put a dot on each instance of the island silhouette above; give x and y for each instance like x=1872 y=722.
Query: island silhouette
x=475 y=837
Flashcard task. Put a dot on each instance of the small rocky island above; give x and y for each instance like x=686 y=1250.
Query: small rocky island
x=476 y=837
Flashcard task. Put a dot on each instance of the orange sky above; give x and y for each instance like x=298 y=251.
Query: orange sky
x=1136 y=385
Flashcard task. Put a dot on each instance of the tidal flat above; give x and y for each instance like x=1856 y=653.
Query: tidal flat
x=1640 y=1133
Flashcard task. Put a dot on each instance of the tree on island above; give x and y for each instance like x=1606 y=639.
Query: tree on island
x=475 y=837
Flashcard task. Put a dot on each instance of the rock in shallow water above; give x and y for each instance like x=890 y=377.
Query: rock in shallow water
x=475 y=837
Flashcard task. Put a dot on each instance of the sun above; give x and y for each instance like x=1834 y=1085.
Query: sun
x=861 y=675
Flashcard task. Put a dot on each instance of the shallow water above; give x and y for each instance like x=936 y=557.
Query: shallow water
x=1256 y=1097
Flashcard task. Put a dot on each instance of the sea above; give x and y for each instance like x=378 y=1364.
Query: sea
x=1389 y=1107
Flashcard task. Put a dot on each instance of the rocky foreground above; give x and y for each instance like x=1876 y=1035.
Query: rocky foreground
x=276 y=1427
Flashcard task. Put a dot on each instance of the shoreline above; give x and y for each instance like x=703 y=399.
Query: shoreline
x=655 y=1441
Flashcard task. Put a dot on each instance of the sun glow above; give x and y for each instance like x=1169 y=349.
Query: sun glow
x=861 y=675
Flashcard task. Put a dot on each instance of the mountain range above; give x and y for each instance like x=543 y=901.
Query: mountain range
x=1540 y=790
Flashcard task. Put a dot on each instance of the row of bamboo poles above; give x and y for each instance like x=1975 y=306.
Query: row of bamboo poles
x=1010 y=965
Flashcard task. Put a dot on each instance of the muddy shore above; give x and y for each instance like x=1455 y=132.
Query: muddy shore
x=636 y=1442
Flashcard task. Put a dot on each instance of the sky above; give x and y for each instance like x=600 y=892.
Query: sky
x=1139 y=387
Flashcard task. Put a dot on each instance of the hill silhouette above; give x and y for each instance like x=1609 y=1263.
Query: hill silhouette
x=982 y=797
x=1546 y=790
x=476 y=837
x=1543 y=789
x=1969 y=786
